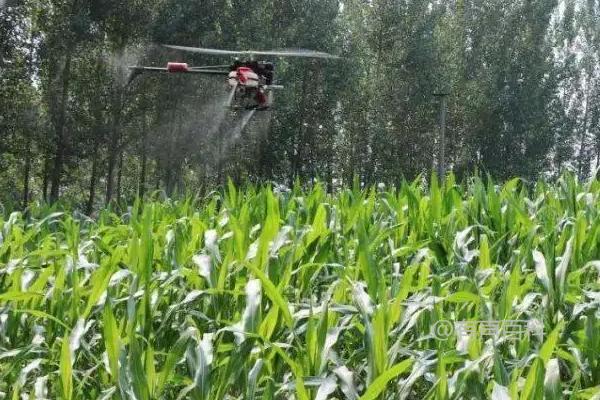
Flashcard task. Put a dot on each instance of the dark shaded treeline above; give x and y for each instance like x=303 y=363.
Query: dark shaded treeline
x=522 y=76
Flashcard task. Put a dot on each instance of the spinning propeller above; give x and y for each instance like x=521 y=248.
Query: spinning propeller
x=277 y=53
x=224 y=69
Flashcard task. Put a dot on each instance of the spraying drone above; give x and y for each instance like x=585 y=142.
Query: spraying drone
x=251 y=82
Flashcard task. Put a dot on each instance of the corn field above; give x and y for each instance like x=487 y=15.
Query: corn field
x=262 y=293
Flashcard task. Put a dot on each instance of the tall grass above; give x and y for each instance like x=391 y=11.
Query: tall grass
x=262 y=294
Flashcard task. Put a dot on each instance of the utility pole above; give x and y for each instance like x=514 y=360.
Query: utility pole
x=442 y=139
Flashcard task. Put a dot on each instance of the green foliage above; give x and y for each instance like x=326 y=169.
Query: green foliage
x=253 y=294
x=523 y=94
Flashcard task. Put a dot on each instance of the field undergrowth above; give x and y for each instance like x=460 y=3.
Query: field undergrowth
x=263 y=294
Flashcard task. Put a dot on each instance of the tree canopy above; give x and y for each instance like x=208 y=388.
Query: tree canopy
x=522 y=78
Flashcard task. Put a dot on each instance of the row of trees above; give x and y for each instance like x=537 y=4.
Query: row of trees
x=523 y=78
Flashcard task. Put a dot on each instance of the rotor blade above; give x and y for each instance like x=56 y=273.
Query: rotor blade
x=205 y=51
x=293 y=53
x=278 y=53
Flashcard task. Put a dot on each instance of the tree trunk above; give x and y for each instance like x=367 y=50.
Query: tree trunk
x=169 y=165
x=30 y=128
x=597 y=160
x=173 y=138
x=298 y=139
x=119 y=176
x=581 y=157
x=27 y=171
x=142 y=178
x=59 y=127
x=92 y=194
x=598 y=154
x=157 y=175
x=46 y=178
x=113 y=146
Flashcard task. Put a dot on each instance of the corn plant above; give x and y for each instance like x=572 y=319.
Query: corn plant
x=261 y=293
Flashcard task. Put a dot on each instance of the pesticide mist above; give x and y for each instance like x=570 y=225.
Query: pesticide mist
x=239 y=127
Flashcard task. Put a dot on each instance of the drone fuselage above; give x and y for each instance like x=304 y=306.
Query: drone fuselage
x=251 y=73
x=251 y=82
x=244 y=76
